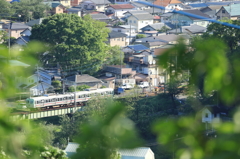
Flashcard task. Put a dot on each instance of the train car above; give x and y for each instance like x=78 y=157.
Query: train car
x=67 y=99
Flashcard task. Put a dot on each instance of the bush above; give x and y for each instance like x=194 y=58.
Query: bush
x=139 y=36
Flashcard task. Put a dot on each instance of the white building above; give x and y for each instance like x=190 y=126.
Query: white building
x=129 y=30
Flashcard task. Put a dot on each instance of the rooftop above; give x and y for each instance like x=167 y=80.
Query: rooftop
x=122 y=6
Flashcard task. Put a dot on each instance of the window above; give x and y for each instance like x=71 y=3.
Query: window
x=130 y=21
x=118 y=39
x=223 y=11
x=122 y=39
x=59 y=9
x=119 y=30
x=206 y=115
x=134 y=21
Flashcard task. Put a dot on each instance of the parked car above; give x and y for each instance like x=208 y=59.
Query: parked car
x=127 y=86
x=143 y=84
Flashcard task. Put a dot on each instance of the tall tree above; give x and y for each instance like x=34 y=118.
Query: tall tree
x=5 y=8
x=30 y=9
x=74 y=40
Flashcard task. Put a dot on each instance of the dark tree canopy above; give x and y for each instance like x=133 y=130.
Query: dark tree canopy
x=74 y=40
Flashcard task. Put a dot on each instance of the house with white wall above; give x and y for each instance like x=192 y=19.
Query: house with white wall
x=139 y=19
x=129 y=30
x=213 y=114
x=119 y=9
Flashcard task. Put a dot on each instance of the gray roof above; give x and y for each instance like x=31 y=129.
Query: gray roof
x=196 y=12
x=153 y=10
x=189 y=29
x=35 y=22
x=143 y=16
x=16 y=26
x=99 y=16
x=98 y=2
x=156 y=26
x=115 y=34
x=137 y=152
x=126 y=26
x=166 y=14
x=160 y=38
x=85 y=78
x=138 y=4
x=74 y=10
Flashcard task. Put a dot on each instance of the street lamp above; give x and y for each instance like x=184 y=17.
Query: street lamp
x=19 y=16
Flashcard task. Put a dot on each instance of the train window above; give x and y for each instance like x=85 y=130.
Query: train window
x=82 y=96
x=60 y=99
x=87 y=95
x=102 y=93
x=107 y=92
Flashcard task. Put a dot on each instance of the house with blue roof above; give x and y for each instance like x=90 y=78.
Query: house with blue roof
x=232 y=12
x=137 y=48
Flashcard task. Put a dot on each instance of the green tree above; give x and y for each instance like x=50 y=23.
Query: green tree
x=30 y=9
x=229 y=35
x=82 y=87
x=5 y=8
x=3 y=36
x=164 y=29
x=77 y=41
x=139 y=36
x=56 y=84
x=116 y=56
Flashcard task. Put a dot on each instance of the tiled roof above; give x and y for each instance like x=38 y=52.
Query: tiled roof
x=233 y=9
x=153 y=10
x=198 y=5
x=122 y=6
x=115 y=34
x=99 y=16
x=196 y=12
x=83 y=78
x=175 y=2
x=137 y=152
x=143 y=16
x=138 y=47
x=163 y=3
x=98 y=2
x=16 y=26
x=156 y=26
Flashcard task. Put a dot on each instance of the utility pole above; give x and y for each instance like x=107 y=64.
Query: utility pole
x=9 y=37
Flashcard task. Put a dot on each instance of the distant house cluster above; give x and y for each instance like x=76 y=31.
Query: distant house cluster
x=141 y=31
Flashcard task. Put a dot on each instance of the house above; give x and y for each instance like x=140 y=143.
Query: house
x=56 y=7
x=154 y=27
x=117 y=39
x=232 y=12
x=121 y=73
x=38 y=83
x=135 y=48
x=184 y=20
x=214 y=113
x=84 y=79
x=119 y=9
x=15 y=29
x=24 y=38
x=193 y=29
x=101 y=17
x=34 y=22
x=211 y=11
x=98 y=5
x=129 y=30
x=76 y=11
x=170 y=5
x=167 y=39
x=139 y=19
x=139 y=6
x=137 y=153
x=75 y=2
x=66 y=3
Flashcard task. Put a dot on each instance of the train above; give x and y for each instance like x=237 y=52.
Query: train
x=58 y=100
